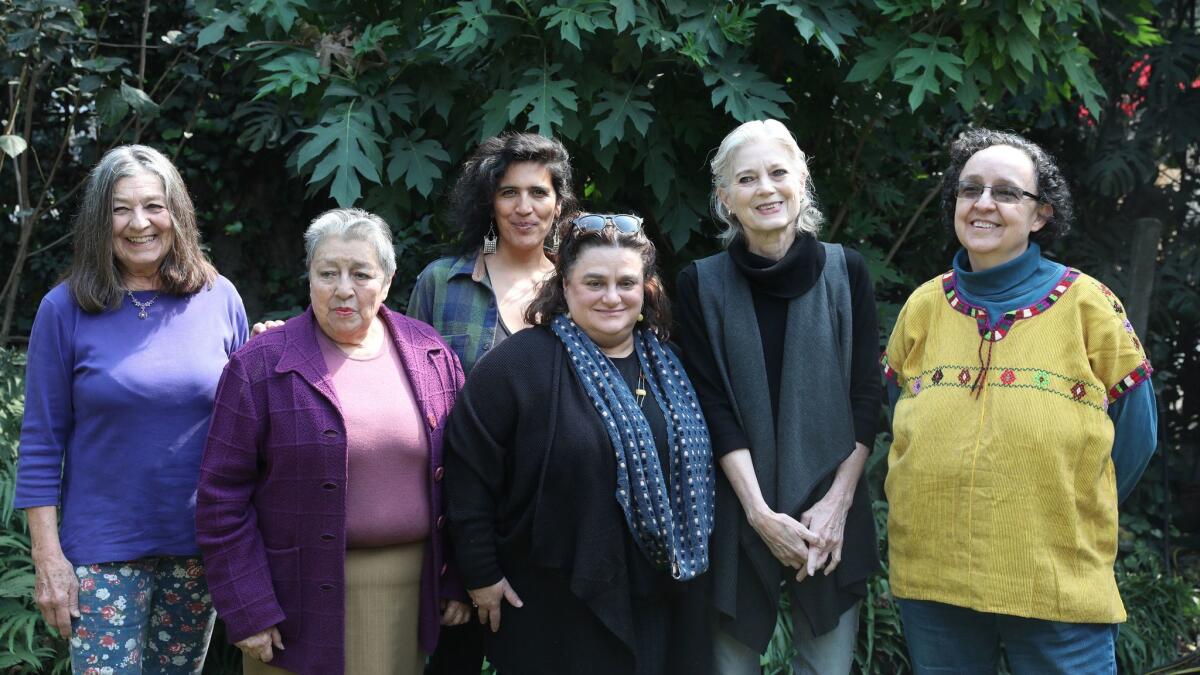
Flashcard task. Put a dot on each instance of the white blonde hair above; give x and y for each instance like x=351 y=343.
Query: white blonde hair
x=810 y=218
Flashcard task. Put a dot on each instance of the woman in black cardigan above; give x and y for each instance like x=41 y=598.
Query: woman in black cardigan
x=779 y=334
x=579 y=474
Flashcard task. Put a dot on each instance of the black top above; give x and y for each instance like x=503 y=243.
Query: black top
x=531 y=487
x=773 y=284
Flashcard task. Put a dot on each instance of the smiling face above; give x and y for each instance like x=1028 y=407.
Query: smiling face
x=995 y=233
x=525 y=205
x=604 y=292
x=142 y=228
x=346 y=286
x=765 y=191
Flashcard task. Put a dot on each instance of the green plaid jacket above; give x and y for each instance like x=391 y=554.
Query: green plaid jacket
x=454 y=295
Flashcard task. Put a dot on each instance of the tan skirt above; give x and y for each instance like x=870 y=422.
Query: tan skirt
x=383 y=599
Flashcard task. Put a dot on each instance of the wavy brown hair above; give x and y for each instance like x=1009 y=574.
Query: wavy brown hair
x=551 y=299
x=94 y=278
x=474 y=193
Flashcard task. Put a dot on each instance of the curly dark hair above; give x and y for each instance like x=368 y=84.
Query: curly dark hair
x=1051 y=188
x=551 y=299
x=473 y=193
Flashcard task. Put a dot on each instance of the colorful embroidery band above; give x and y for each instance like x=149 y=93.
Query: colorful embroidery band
x=950 y=287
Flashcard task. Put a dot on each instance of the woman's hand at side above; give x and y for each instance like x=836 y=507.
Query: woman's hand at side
x=488 y=599
x=56 y=588
x=262 y=644
x=455 y=612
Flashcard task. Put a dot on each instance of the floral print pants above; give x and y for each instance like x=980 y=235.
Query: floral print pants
x=152 y=615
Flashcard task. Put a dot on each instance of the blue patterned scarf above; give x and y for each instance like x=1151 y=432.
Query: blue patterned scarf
x=670 y=522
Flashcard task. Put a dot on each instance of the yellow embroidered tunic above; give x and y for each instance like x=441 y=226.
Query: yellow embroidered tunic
x=1003 y=498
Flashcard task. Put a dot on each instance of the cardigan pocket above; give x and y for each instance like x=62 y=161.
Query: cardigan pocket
x=284 y=565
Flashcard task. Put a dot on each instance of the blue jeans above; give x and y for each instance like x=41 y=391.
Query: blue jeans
x=948 y=639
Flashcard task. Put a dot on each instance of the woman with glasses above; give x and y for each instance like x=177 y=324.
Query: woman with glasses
x=579 y=474
x=779 y=335
x=1023 y=413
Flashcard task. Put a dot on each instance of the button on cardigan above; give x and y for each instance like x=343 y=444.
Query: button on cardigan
x=270 y=514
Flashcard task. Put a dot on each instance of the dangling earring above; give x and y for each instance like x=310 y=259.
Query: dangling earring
x=551 y=246
x=490 y=240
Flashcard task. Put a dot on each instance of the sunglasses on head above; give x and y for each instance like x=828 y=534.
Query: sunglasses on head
x=594 y=222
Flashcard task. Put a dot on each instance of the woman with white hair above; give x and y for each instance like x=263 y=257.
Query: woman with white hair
x=779 y=336
x=319 y=511
x=123 y=365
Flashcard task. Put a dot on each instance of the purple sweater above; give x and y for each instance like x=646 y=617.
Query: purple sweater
x=271 y=508
x=116 y=411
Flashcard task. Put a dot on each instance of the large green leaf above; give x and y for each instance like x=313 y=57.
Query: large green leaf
x=495 y=114
x=220 y=21
x=417 y=159
x=574 y=16
x=746 y=93
x=830 y=22
x=139 y=101
x=12 y=145
x=543 y=98
x=1076 y=61
x=290 y=74
x=282 y=12
x=111 y=107
x=872 y=63
x=349 y=147
x=918 y=67
x=616 y=108
x=625 y=13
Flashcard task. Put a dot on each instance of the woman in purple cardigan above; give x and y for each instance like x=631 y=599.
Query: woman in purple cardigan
x=319 y=509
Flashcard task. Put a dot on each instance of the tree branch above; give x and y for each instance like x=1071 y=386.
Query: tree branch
x=137 y=133
x=14 y=278
x=912 y=221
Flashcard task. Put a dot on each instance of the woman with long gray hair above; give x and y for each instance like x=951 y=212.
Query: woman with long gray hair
x=124 y=359
x=779 y=335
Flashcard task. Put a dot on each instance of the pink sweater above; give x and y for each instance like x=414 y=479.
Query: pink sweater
x=387 y=454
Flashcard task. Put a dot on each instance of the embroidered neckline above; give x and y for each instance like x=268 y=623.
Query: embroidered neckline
x=950 y=287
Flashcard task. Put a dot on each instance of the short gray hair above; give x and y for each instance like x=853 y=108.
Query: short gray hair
x=810 y=218
x=352 y=224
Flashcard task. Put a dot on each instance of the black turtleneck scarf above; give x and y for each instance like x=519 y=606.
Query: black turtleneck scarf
x=773 y=283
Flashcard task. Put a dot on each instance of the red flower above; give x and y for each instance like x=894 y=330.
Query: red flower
x=82 y=633
x=1008 y=377
x=171 y=597
x=197 y=607
x=107 y=641
x=175 y=648
x=87 y=584
x=195 y=570
x=108 y=612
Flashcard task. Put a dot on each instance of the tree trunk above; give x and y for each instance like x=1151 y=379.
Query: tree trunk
x=1147 y=232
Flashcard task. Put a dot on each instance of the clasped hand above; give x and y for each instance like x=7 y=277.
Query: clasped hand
x=788 y=539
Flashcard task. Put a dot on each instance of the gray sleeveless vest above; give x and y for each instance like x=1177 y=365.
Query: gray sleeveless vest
x=795 y=456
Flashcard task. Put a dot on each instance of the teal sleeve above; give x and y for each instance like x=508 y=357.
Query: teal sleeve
x=1135 y=422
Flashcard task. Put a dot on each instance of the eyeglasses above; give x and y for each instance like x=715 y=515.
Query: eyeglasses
x=1003 y=194
x=594 y=222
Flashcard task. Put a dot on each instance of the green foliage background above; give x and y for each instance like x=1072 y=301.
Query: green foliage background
x=275 y=110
